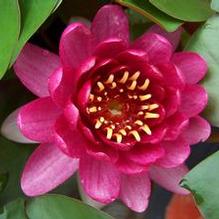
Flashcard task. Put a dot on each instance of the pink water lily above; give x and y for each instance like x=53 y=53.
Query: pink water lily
x=121 y=113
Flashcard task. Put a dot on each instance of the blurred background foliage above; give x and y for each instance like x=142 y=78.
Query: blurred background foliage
x=42 y=23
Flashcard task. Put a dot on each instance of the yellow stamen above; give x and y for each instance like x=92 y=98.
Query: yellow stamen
x=128 y=127
x=99 y=108
x=113 y=126
x=139 y=122
x=98 y=124
x=153 y=106
x=151 y=115
x=118 y=137
x=145 y=97
x=105 y=93
x=145 y=85
x=135 y=76
x=110 y=79
x=99 y=99
x=121 y=90
x=135 y=134
x=100 y=85
x=144 y=107
x=140 y=113
x=135 y=97
x=130 y=96
x=113 y=85
x=91 y=97
x=93 y=109
x=124 y=77
x=123 y=132
x=102 y=119
x=109 y=133
x=146 y=129
x=132 y=86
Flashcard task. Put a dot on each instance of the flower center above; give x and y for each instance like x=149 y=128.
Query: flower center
x=121 y=106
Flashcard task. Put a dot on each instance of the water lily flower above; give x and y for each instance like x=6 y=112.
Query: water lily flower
x=121 y=113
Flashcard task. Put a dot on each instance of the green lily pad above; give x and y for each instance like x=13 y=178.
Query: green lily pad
x=203 y=182
x=186 y=10
x=10 y=28
x=33 y=14
x=152 y=13
x=205 y=42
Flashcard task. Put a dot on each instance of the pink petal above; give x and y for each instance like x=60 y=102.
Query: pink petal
x=126 y=166
x=192 y=65
x=99 y=179
x=145 y=154
x=169 y=178
x=110 y=48
x=135 y=191
x=68 y=137
x=110 y=22
x=11 y=131
x=37 y=119
x=198 y=130
x=75 y=46
x=158 y=48
x=87 y=199
x=193 y=100
x=46 y=168
x=176 y=124
x=173 y=78
x=176 y=152
x=172 y=37
x=34 y=66
x=63 y=87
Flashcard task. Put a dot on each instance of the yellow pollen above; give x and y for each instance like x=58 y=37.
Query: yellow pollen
x=135 y=134
x=102 y=119
x=123 y=132
x=99 y=99
x=124 y=77
x=135 y=76
x=91 y=97
x=98 y=124
x=100 y=85
x=144 y=107
x=113 y=85
x=109 y=133
x=132 y=86
x=118 y=137
x=121 y=90
x=146 y=129
x=130 y=96
x=99 y=108
x=93 y=109
x=110 y=79
x=145 y=85
x=135 y=97
x=128 y=127
x=153 y=106
x=140 y=113
x=145 y=97
x=139 y=122
x=105 y=93
x=151 y=116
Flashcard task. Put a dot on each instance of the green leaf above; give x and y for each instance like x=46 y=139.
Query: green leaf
x=203 y=182
x=186 y=10
x=10 y=28
x=33 y=13
x=14 y=210
x=215 y=5
x=61 y=207
x=149 y=11
x=3 y=181
x=205 y=42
